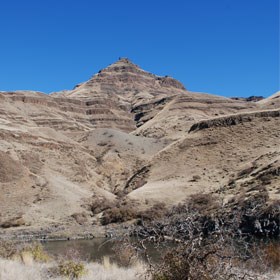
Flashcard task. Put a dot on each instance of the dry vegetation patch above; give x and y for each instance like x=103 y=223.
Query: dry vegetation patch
x=215 y=242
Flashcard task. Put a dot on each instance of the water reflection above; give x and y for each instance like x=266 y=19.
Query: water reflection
x=96 y=249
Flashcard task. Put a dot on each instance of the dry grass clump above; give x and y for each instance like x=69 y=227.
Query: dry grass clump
x=22 y=251
x=15 y=270
x=203 y=203
x=37 y=252
x=7 y=249
x=80 y=218
x=29 y=262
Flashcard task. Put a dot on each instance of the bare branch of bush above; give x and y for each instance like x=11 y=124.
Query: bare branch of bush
x=214 y=241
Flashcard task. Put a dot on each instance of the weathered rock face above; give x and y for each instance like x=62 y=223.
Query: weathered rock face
x=252 y=98
x=175 y=115
x=124 y=134
x=134 y=92
x=235 y=119
x=69 y=113
x=123 y=96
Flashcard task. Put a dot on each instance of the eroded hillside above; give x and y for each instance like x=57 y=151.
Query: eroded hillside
x=127 y=134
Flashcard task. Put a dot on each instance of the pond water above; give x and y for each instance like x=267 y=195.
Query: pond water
x=96 y=249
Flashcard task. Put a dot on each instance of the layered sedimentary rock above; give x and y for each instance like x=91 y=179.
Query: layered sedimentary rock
x=128 y=134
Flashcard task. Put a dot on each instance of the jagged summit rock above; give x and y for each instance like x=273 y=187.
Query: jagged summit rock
x=125 y=78
x=122 y=64
x=124 y=90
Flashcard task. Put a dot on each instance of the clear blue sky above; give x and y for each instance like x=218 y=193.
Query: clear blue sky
x=226 y=47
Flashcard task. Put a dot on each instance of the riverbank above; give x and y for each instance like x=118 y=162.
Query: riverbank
x=31 y=260
x=61 y=233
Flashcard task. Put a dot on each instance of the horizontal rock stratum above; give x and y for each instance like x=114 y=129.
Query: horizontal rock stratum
x=125 y=135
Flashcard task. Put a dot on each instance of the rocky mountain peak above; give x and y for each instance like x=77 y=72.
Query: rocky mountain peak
x=125 y=78
x=123 y=65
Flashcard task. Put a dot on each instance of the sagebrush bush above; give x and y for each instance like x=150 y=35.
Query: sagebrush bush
x=71 y=269
x=126 y=255
x=118 y=214
x=215 y=242
x=122 y=211
x=37 y=252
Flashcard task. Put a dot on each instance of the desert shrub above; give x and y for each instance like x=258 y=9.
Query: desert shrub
x=80 y=218
x=118 y=214
x=202 y=203
x=158 y=210
x=125 y=252
x=205 y=260
x=272 y=255
x=100 y=204
x=69 y=265
x=122 y=211
x=215 y=241
x=37 y=252
x=259 y=217
x=174 y=268
x=71 y=269
x=11 y=249
x=7 y=249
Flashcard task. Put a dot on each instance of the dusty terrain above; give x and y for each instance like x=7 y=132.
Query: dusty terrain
x=127 y=133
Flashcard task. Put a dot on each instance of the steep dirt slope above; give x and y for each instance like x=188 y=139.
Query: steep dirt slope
x=210 y=157
x=272 y=101
x=47 y=178
x=175 y=119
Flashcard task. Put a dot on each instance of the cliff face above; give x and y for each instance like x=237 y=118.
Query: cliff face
x=128 y=134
